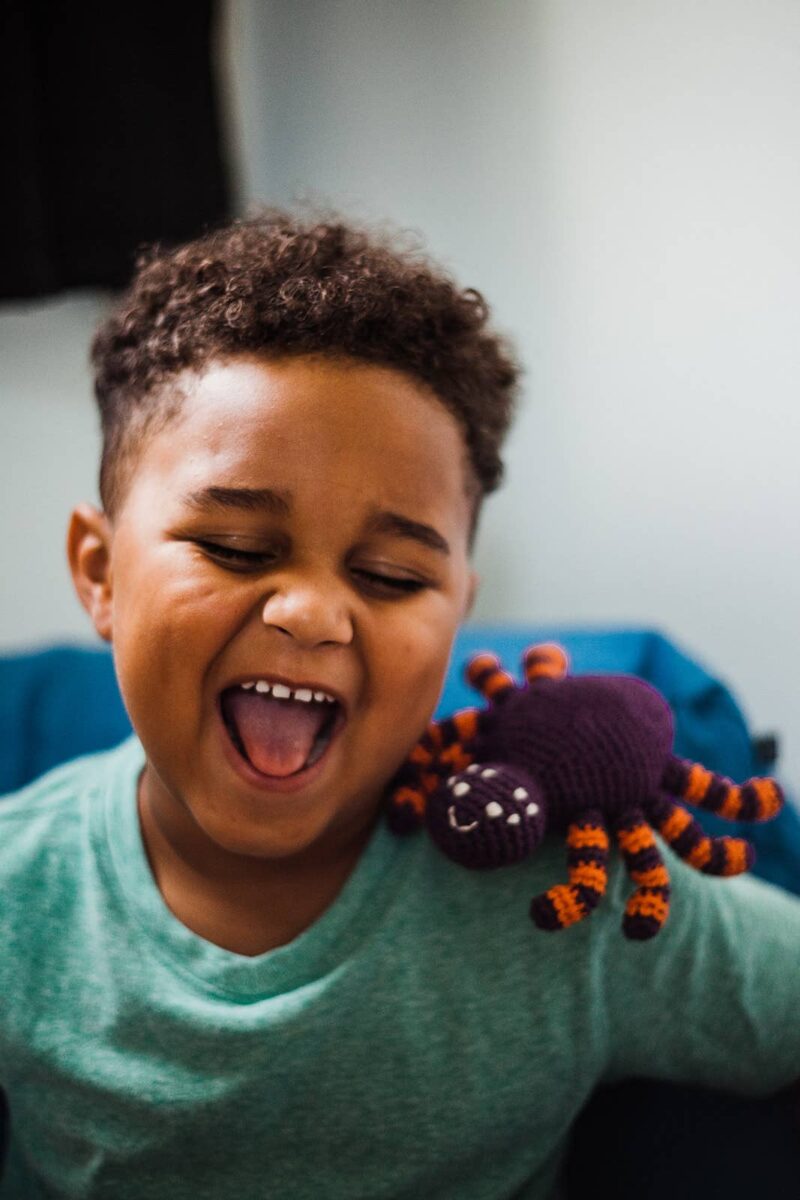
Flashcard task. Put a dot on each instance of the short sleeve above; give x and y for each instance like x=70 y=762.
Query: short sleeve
x=714 y=998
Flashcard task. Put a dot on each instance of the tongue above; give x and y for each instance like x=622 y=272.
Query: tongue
x=277 y=734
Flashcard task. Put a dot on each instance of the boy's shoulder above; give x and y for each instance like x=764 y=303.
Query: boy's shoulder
x=38 y=820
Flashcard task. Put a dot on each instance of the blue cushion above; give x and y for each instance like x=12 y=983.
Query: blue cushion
x=56 y=704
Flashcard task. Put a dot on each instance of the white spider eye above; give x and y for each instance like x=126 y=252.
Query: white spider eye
x=493 y=809
x=532 y=810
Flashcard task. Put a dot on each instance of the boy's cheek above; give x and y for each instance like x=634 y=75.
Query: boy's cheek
x=420 y=666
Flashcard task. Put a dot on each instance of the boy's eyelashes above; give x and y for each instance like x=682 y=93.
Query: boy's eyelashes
x=376 y=580
x=244 y=556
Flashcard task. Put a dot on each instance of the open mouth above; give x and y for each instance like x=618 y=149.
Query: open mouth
x=279 y=737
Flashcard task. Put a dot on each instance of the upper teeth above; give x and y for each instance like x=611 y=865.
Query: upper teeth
x=281 y=692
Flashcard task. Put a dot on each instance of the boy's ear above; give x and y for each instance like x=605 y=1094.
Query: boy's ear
x=89 y=555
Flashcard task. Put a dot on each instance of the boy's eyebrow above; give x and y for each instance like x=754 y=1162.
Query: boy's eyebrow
x=251 y=499
x=278 y=504
x=394 y=523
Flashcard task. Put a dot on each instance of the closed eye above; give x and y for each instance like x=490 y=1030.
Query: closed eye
x=393 y=582
x=373 y=580
x=242 y=556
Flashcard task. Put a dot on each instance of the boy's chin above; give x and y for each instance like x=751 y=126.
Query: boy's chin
x=316 y=837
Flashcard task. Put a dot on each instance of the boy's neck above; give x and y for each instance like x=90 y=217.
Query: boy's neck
x=248 y=912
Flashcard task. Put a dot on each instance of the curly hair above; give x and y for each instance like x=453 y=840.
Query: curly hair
x=279 y=286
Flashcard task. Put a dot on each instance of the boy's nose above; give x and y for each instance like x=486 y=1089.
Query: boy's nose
x=312 y=615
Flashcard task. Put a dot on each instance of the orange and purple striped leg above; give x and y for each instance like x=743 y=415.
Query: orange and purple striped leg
x=711 y=855
x=456 y=737
x=442 y=750
x=407 y=800
x=587 y=865
x=485 y=674
x=753 y=800
x=411 y=786
x=648 y=906
x=547 y=661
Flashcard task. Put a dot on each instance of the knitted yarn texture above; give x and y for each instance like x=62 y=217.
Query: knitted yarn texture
x=586 y=756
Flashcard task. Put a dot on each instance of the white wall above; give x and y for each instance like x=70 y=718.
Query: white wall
x=49 y=447
x=621 y=180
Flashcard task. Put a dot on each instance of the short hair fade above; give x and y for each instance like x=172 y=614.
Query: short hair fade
x=277 y=285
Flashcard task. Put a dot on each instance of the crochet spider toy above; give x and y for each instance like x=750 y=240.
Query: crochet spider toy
x=582 y=755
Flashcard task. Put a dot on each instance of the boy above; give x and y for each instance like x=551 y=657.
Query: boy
x=221 y=974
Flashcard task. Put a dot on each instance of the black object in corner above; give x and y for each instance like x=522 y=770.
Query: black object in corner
x=642 y=1140
x=110 y=138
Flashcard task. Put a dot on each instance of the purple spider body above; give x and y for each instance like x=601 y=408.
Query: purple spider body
x=578 y=755
x=564 y=742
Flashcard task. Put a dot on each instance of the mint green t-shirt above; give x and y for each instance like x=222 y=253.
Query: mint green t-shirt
x=421 y=1039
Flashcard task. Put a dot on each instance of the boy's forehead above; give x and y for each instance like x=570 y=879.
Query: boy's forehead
x=314 y=423
x=314 y=391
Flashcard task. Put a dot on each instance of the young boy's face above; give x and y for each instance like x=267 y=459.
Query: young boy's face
x=358 y=581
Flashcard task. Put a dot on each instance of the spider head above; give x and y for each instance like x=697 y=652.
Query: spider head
x=487 y=816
